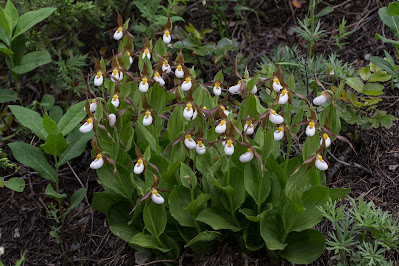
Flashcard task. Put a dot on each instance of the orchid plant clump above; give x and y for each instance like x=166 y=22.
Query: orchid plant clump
x=183 y=160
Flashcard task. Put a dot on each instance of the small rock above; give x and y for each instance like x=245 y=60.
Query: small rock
x=16 y=233
x=367 y=57
x=290 y=31
x=393 y=167
x=141 y=256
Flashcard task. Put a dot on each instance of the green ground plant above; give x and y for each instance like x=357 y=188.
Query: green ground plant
x=363 y=234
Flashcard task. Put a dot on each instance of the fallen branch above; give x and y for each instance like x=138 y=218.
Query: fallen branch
x=368 y=171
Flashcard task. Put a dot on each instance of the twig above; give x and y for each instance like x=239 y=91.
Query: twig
x=350 y=164
x=157 y=261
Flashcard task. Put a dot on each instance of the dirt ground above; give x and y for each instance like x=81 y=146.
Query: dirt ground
x=23 y=222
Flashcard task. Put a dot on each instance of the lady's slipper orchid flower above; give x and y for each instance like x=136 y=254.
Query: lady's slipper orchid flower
x=247 y=157
x=143 y=87
x=321 y=99
x=158 y=78
x=147 y=54
x=87 y=126
x=139 y=167
x=200 y=148
x=275 y=118
x=116 y=75
x=310 y=129
x=320 y=163
x=276 y=85
x=187 y=84
x=130 y=58
x=224 y=110
x=115 y=101
x=156 y=197
x=93 y=106
x=279 y=134
x=118 y=34
x=112 y=120
x=189 y=142
x=249 y=127
x=166 y=67
x=234 y=89
x=216 y=89
x=98 y=162
x=98 y=79
x=229 y=147
x=195 y=114
x=326 y=139
x=283 y=98
x=147 y=120
x=221 y=128
x=179 y=73
x=167 y=37
x=254 y=89
x=188 y=111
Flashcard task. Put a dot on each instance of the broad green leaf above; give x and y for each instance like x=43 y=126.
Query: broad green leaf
x=11 y=14
x=380 y=76
x=30 y=19
x=119 y=219
x=16 y=184
x=304 y=247
x=312 y=144
x=142 y=132
x=8 y=95
x=251 y=215
x=55 y=144
x=386 y=40
x=29 y=119
x=33 y=157
x=217 y=219
x=355 y=84
x=76 y=198
x=393 y=9
x=391 y=21
x=102 y=201
x=195 y=206
x=77 y=144
x=49 y=124
x=365 y=73
x=4 y=21
x=47 y=102
x=293 y=196
x=219 y=75
x=155 y=219
x=54 y=194
x=187 y=176
x=5 y=37
x=147 y=241
x=31 y=61
x=205 y=236
x=324 y=11
x=382 y=63
x=5 y=50
x=257 y=185
x=159 y=48
x=273 y=166
x=373 y=89
x=72 y=117
x=178 y=200
x=271 y=229
x=56 y=113
x=313 y=197
x=338 y=193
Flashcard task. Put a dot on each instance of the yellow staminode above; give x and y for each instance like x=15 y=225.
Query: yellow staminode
x=239 y=82
x=229 y=143
x=189 y=105
x=319 y=157
x=155 y=192
x=222 y=122
x=217 y=85
x=115 y=72
x=204 y=107
x=280 y=129
x=128 y=53
x=139 y=162
x=188 y=79
x=223 y=108
x=89 y=121
x=98 y=157
x=311 y=124
x=325 y=136
x=249 y=150
x=147 y=113
x=99 y=74
x=146 y=51
x=249 y=122
x=119 y=29
x=93 y=101
x=199 y=143
x=157 y=74
x=115 y=97
x=179 y=67
x=276 y=80
x=273 y=112
x=166 y=33
x=188 y=136
x=284 y=92
x=165 y=62
x=322 y=93
x=144 y=80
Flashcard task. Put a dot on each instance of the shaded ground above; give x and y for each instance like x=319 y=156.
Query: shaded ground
x=23 y=223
